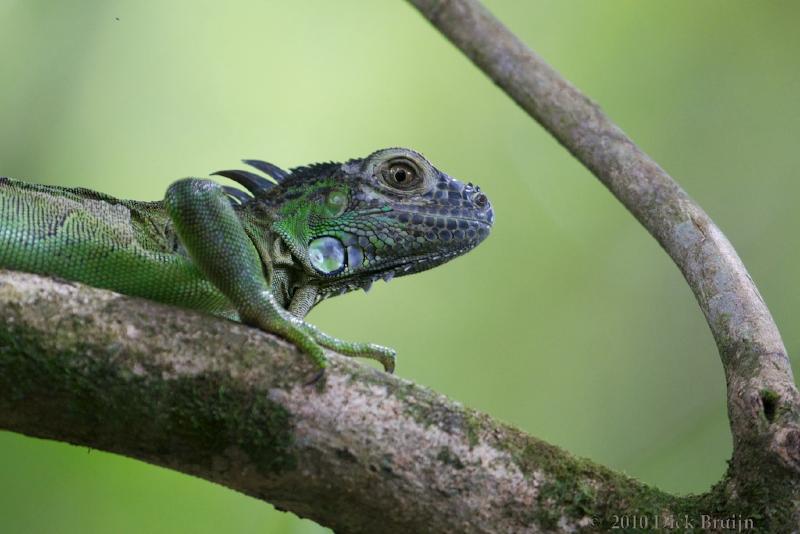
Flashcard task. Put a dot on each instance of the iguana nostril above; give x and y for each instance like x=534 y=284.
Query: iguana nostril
x=480 y=200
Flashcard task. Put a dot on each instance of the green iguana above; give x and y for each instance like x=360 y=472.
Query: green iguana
x=264 y=258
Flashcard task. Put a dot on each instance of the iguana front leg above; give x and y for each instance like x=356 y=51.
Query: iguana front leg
x=303 y=300
x=216 y=241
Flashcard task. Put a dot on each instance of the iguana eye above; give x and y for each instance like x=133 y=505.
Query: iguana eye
x=401 y=175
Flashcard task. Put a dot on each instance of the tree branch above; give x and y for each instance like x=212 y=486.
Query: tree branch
x=365 y=451
x=763 y=402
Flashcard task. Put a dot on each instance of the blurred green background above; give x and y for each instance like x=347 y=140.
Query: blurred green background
x=569 y=321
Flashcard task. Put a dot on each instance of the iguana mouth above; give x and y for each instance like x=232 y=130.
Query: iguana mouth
x=390 y=270
x=348 y=280
x=407 y=265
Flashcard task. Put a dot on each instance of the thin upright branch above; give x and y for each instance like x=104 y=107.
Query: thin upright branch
x=763 y=402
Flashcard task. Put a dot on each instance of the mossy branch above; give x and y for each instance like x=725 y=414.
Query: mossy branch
x=363 y=451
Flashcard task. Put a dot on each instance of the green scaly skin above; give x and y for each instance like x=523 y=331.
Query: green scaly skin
x=264 y=258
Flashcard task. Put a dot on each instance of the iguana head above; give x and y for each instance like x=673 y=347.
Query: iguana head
x=389 y=214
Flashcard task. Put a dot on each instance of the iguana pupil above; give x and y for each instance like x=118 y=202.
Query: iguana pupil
x=402 y=176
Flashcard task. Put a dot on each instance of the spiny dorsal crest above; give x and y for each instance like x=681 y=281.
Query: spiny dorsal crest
x=258 y=186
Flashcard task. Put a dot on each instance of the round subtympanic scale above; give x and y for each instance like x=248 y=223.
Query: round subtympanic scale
x=326 y=255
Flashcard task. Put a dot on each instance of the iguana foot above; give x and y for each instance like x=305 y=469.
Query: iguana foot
x=384 y=355
x=311 y=340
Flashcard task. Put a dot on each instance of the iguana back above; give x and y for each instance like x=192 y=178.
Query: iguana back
x=82 y=235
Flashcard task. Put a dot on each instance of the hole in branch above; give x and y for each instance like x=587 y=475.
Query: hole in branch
x=769 y=400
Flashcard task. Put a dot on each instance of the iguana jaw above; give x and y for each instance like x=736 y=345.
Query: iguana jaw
x=387 y=270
